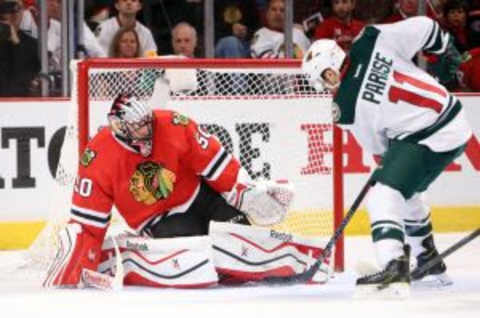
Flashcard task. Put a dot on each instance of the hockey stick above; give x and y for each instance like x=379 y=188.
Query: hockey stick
x=308 y=274
x=448 y=251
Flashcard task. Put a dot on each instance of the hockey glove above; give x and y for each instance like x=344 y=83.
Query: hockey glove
x=264 y=202
x=444 y=67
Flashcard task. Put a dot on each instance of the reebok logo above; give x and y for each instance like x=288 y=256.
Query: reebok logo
x=281 y=236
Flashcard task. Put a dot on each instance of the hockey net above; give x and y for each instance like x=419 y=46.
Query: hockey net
x=265 y=113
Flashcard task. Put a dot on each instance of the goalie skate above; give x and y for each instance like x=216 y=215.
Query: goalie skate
x=391 y=282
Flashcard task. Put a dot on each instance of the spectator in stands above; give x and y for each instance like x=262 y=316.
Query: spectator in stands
x=164 y=15
x=474 y=24
x=184 y=39
x=468 y=73
x=19 y=62
x=409 y=8
x=127 y=16
x=435 y=9
x=97 y=12
x=125 y=44
x=27 y=4
x=30 y=24
x=455 y=15
x=373 y=11
x=234 y=22
x=404 y=9
x=268 y=42
x=306 y=8
x=341 y=27
x=309 y=13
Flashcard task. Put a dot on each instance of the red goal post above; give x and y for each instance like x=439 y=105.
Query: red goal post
x=265 y=112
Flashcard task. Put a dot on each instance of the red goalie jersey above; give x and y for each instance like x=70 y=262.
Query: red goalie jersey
x=111 y=173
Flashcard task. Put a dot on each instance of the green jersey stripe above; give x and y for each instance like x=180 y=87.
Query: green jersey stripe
x=440 y=42
x=361 y=54
x=431 y=36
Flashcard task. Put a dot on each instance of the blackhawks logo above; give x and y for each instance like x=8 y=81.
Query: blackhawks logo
x=87 y=157
x=179 y=119
x=151 y=182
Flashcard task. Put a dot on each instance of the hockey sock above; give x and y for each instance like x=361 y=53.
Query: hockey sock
x=418 y=225
x=417 y=231
x=384 y=206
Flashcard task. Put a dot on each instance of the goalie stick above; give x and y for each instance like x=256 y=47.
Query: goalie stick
x=309 y=273
x=448 y=251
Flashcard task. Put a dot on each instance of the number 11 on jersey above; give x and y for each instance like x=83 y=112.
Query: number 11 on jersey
x=397 y=93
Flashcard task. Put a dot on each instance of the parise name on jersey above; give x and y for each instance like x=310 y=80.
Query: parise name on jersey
x=377 y=78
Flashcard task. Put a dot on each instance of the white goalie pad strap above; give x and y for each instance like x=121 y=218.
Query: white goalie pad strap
x=176 y=262
x=254 y=253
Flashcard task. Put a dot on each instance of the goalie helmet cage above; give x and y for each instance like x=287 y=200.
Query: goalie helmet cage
x=264 y=101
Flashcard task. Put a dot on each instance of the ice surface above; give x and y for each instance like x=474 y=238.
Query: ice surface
x=19 y=297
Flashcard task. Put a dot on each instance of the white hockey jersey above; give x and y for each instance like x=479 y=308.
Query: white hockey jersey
x=54 y=44
x=384 y=95
x=268 y=43
x=107 y=29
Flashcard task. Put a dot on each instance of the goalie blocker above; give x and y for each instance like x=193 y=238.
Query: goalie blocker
x=231 y=253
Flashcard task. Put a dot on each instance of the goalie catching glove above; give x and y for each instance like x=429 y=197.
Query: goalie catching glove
x=264 y=202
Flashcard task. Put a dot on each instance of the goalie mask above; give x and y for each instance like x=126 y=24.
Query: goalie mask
x=131 y=121
x=323 y=55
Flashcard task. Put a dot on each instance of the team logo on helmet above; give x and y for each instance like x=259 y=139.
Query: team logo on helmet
x=336 y=112
x=151 y=182
x=87 y=157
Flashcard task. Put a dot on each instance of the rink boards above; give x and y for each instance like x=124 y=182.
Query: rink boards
x=30 y=132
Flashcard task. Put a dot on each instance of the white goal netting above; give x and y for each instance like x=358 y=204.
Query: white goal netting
x=265 y=114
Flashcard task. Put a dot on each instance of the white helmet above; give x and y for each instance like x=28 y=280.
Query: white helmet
x=321 y=55
x=126 y=116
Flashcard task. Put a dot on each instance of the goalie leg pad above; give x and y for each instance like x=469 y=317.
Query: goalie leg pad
x=78 y=250
x=177 y=262
x=248 y=253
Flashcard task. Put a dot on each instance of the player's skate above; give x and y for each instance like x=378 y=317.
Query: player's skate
x=391 y=282
x=436 y=275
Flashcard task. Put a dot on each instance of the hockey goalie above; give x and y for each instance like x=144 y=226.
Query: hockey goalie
x=198 y=218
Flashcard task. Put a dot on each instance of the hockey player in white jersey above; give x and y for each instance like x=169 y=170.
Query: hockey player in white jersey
x=268 y=42
x=398 y=111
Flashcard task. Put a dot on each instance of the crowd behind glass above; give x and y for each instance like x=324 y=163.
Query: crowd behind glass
x=242 y=29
